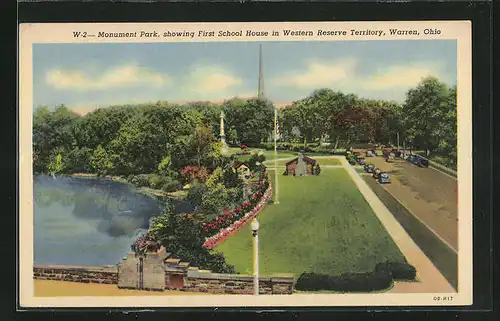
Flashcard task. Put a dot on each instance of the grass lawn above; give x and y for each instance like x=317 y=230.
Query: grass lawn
x=322 y=224
x=269 y=154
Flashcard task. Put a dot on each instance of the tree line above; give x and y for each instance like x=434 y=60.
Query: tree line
x=140 y=139
x=426 y=119
x=127 y=140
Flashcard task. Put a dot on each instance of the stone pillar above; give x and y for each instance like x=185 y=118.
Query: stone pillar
x=222 y=134
x=154 y=270
x=128 y=274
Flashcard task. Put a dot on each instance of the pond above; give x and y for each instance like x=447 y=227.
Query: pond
x=88 y=221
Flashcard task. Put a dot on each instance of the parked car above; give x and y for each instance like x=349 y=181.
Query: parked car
x=369 y=168
x=361 y=160
x=376 y=173
x=418 y=161
x=352 y=161
x=384 y=178
x=396 y=153
x=370 y=153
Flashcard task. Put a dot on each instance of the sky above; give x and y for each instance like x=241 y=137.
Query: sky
x=88 y=76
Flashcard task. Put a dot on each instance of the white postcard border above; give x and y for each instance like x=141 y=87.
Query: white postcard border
x=64 y=33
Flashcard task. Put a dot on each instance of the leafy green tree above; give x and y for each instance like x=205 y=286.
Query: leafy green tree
x=232 y=136
x=202 y=144
x=425 y=109
x=195 y=194
x=56 y=164
x=78 y=160
x=251 y=119
x=184 y=238
x=100 y=161
x=52 y=130
x=255 y=161
x=102 y=125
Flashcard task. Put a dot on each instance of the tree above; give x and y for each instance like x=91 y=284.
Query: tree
x=425 y=108
x=102 y=125
x=78 y=160
x=202 y=145
x=52 y=130
x=251 y=119
x=100 y=161
x=56 y=164
x=184 y=238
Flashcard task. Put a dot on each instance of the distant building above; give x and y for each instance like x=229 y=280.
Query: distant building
x=243 y=170
x=300 y=166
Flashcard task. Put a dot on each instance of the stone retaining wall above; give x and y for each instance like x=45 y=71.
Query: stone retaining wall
x=160 y=272
x=198 y=281
x=84 y=274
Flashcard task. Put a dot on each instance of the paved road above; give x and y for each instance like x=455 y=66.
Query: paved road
x=430 y=280
x=428 y=194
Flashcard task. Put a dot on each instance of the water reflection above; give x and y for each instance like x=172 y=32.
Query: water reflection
x=87 y=221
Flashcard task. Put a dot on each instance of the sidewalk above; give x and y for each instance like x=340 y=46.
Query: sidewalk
x=429 y=279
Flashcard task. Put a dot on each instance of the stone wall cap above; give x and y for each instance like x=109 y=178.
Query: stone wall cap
x=104 y=268
x=222 y=276
x=283 y=279
x=172 y=260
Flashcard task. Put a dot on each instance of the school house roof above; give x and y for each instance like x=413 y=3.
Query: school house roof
x=306 y=159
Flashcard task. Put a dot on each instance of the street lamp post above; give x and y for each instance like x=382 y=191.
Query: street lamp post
x=255 y=237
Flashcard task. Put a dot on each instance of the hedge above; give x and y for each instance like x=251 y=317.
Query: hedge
x=380 y=279
x=311 y=148
x=399 y=271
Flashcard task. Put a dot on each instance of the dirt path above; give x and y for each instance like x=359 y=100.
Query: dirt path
x=428 y=194
x=48 y=288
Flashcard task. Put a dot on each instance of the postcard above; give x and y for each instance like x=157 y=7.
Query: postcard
x=283 y=164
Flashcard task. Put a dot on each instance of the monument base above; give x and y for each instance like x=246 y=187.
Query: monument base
x=225 y=149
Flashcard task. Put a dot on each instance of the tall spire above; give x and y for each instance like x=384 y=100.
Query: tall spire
x=261 y=76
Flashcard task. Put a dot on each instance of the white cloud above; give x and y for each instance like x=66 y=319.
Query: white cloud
x=318 y=74
x=342 y=74
x=401 y=76
x=122 y=76
x=212 y=80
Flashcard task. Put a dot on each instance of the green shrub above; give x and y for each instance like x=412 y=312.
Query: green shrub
x=398 y=270
x=141 y=180
x=359 y=282
x=381 y=278
x=171 y=185
x=195 y=193
x=156 y=181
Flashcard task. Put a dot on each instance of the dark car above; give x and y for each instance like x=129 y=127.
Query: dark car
x=396 y=153
x=369 y=168
x=376 y=173
x=352 y=160
x=418 y=160
x=384 y=178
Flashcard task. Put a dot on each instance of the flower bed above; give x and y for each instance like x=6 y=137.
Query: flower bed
x=146 y=243
x=232 y=221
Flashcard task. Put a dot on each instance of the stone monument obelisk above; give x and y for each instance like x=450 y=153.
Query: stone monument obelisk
x=225 y=149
